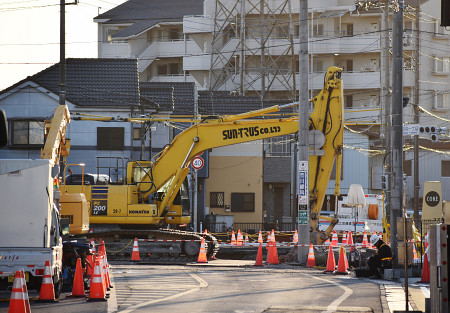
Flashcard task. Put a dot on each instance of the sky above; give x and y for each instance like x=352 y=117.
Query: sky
x=29 y=34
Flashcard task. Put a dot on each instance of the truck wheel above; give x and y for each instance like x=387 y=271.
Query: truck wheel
x=58 y=284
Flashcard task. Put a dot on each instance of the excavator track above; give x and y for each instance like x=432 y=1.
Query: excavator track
x=156 y=246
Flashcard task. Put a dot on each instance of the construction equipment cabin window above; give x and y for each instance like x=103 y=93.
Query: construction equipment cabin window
x=217 y=199
x=242 y=202
x=110 y=138
x=27 y=133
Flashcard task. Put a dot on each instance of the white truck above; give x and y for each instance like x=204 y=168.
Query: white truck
x=367 y=218
x=30 y=230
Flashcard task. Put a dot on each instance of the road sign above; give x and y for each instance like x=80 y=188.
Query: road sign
x=302 y=182
x=302 y=217
x=411 y=129
x=197 y=163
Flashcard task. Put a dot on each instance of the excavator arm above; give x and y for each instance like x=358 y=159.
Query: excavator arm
x=173 y=163
x=56 y=144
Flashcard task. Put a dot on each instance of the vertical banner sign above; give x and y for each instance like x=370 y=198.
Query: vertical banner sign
x=303 y=192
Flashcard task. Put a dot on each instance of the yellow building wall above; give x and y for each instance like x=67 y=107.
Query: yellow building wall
x=242 y=174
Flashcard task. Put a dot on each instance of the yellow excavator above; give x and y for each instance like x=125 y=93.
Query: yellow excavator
x=154 y=193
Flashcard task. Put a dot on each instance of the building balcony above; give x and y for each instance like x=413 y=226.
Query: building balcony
x=342 y=45
x=114 y=50
x=174 y=78
x=167 y=49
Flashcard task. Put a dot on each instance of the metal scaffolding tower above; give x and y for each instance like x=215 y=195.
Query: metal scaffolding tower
x=253 y=48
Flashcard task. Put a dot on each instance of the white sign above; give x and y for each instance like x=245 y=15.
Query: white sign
x=197 y=163
x=411 y=129
x=302 y=182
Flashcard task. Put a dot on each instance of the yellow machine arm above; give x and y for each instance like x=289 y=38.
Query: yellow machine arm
x=172 y=165
x=56 y=144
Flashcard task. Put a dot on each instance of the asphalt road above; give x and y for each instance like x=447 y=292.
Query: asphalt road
x=225 y=287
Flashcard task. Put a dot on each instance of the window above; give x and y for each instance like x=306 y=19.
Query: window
x=441 y=101
x=27 y=133
x=318 y=30
x=317 y=66
x=441 y=65
x=445 y=168
x=175 y=68
x=110 y=138
x=137 y=133
x=407 y=167
x=217 y=199
x=407 y=63
x=242 y=202
x=278 y=146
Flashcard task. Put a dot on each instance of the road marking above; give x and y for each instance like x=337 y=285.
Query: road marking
x=333 y=305
x=395 y=296
x=112 y=301
x=166 y=295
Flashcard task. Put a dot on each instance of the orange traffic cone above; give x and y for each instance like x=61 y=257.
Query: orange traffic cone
x=47 y=292
x=202 y=253
x=25 y=294
x=272 y=253
x=415 y=257
x=365 y=243
x=240 y=239
x=350 y=239
x=78 y=283
x=101 y=248
x=17 y=301
x=334 y=239
x=311 y=262
x=206 y=231
x=273 y=236
x=342 y=267
x=259 y=257
x=233 y=238
x=344 y=238
x=245 y=239
x=89 y=265
x=425 y=270
x=260 y=239
x=331 y=262
x=295 y=237
x=135 y=254
x=97 y=291
x=269 y=251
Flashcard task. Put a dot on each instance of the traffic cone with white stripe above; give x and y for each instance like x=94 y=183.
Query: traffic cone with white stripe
x=245 y=239
x=135 y=254
x=260 y=239
x=202 y=253
x=342 y=266
x=17 y=300
x=344 y=238
x=365 y=243
x=47 y=292
x=240 y=239
x=331 y=262
x=350 y=239
x=311 y=262
x=25 y=293
x=233 y=238
x=273 y=236
x=334 y=239
x=295 y=237
x=96 y=290
x=101 y=248
x=92 y=243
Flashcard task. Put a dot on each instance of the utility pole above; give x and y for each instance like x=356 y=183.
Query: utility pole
x=62 y=53
x=303 y=138
x=386 y=93
x=397 y=123
x=416 y=110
